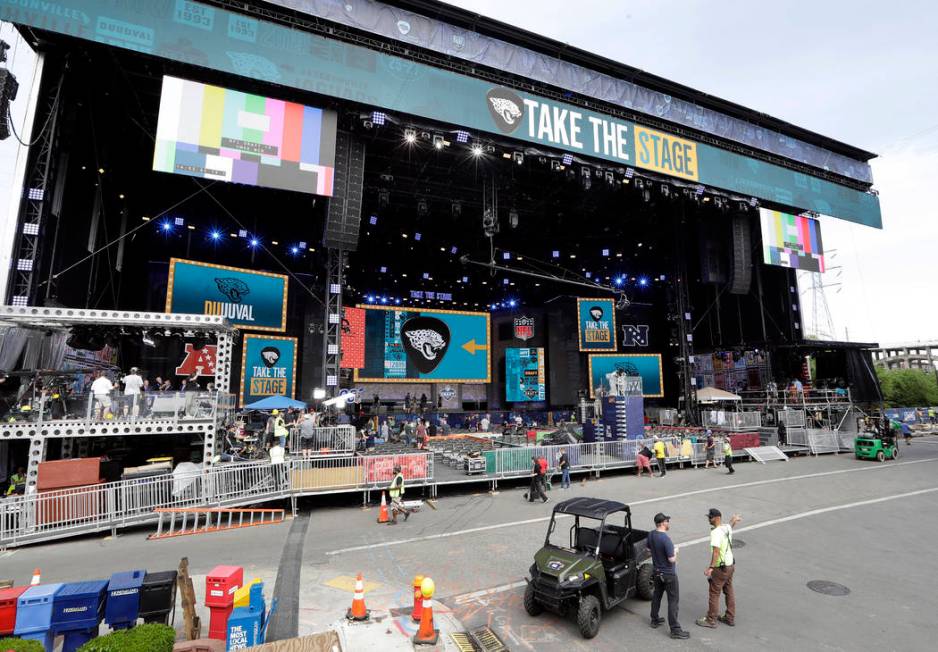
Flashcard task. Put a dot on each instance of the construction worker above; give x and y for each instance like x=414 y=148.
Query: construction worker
x=17 y=482
x=660 y=456
x=396 y=492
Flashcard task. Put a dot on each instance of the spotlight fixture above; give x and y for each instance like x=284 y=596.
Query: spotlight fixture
x=410 y=136
x=379 y=118
x=384 y=198
x=423 y=207
x=462 y=137
x=439 y=142
x=518 y=158
x=215 y=235
x=373 y=220
x=629 y=173
x=610 y=178
x=513 y=218
x=567 y=159
x=556 y=165
x=665 y=190
x=477 y=150
x=457 y=208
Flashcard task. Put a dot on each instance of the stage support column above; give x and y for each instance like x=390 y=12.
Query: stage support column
x=685 y=327
x=332 y=331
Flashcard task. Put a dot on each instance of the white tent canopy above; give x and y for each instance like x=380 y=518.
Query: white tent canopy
x=713 y=395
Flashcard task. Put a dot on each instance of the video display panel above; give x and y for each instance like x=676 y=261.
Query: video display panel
x=525 y=379
x=407 y=344
x=225 y=135
x=645 y=365
x=791 y=241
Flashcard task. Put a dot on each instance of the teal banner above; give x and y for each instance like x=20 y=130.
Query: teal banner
x=234 y=43
x=268 y=367
x=597 y=324
x=645 y=365
x=252 y=300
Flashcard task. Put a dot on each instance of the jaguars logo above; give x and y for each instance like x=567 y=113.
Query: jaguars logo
x=425 y=340
x=270 y=355
x=506 y=108
x=233 y=288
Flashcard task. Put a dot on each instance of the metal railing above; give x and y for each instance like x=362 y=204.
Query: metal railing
x=731 y=420
x=333 y=440
x=114 y=407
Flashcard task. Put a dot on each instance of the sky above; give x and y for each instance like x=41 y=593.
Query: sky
x=861 y=72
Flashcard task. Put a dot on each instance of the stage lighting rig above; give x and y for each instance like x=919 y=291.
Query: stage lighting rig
x=489 y=223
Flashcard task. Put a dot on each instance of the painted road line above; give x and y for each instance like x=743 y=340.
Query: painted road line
x=696 y=492
x=475 y=595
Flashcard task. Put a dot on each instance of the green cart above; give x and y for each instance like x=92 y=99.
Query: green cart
x=874 y=447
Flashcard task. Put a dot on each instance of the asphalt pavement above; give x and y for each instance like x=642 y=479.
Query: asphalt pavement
x=867 y=526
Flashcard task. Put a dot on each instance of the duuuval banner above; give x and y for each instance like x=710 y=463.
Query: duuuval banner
x=251 y=300
x=268 y=367
x=211 y=37
x=597 y=324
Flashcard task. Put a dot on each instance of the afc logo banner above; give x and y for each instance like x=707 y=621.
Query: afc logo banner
x=634 y=335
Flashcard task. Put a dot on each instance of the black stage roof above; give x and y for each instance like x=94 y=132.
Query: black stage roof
x=518 y=36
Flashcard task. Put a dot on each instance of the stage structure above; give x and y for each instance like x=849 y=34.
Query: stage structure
x=205 y=425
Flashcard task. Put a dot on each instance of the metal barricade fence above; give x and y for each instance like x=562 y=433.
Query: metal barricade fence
x=331 y=440
x=732 y=420
x=823 y=441
x=116 y=407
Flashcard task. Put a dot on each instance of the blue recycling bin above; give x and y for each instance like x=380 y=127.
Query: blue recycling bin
x=246 y=625
x=123 y=599
x=34 y=614
x=77 y=611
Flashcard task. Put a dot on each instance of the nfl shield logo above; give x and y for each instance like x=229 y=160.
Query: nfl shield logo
x=524 y=328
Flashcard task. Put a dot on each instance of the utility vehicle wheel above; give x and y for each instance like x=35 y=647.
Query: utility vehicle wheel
x=588 y=616
x=645 y=583
x=531 y=604
x=895 y=453
x=880 y=456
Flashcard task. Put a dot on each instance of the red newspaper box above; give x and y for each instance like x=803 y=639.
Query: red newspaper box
x=8 y=598
x=220 y=586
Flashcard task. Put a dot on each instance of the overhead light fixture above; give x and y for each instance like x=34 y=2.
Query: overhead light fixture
x=379 y=118
x=477 y=150
x=518 y=158
x=513 y=218
x=410 y=136
x=462 y=137
x=439 y=142
x=567 y=159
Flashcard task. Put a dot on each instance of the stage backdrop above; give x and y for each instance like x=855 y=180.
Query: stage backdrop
x=249 y=299
x=525 y=379
x=406 y=344
x=646 y=365
x=597 y=324
x=268 y=367
x=791 y=241
x=226 y=135
x=353 y=338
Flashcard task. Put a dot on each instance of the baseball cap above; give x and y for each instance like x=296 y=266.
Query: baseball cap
x=714 y=512
x=661 y=518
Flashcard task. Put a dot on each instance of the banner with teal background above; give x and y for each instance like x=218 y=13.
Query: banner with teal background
x=251 y=300
x=646 y=365
x=525 y=378
x=596 y=319
x=235 y=43
x=442 y=346
x=268 y=367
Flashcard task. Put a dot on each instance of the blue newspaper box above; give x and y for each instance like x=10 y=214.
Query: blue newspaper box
x=34 y=614
x=77 y=611
x=246 y=624
x=123 y=599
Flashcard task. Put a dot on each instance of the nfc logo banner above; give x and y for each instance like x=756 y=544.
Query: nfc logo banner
x=634 y=335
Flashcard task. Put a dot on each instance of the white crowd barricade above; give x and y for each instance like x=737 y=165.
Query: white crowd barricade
x=326 y=440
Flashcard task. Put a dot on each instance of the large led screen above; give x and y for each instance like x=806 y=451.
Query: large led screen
x=645 y=365
x=407 y=344
x=525 y=379
x=791 y=241
x=226 y=135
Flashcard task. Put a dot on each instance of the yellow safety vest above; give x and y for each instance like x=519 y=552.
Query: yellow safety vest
x=397 y=486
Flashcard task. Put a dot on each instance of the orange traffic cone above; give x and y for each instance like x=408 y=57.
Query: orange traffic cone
x=36 y=578
x=358 y=611
x=418 y=599
x=426 y=635
x=383 y=514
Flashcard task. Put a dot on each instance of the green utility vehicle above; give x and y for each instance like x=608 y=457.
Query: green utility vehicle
x=602 y=562
x=871 y=446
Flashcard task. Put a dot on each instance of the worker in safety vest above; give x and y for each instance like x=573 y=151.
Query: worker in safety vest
x=396 y=492
x=17 y=482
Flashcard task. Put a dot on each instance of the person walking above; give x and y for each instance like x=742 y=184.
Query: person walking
x=711 y=449
x=664 y=559
x=728 y=456
x=133 y=386
x=396 y=492
x=537 y=482
x=720 y=571
x=280 y=428
x=660 y=457
x=564 y=464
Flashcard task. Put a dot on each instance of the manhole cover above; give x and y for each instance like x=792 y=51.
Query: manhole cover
x=739 y=543
x=828 y=588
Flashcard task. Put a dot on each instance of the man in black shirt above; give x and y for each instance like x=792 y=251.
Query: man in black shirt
x=664 y=558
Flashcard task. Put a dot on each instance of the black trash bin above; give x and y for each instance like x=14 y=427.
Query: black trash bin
x=158 y=597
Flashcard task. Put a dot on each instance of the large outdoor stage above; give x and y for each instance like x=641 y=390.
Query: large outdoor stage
x=335 y=204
